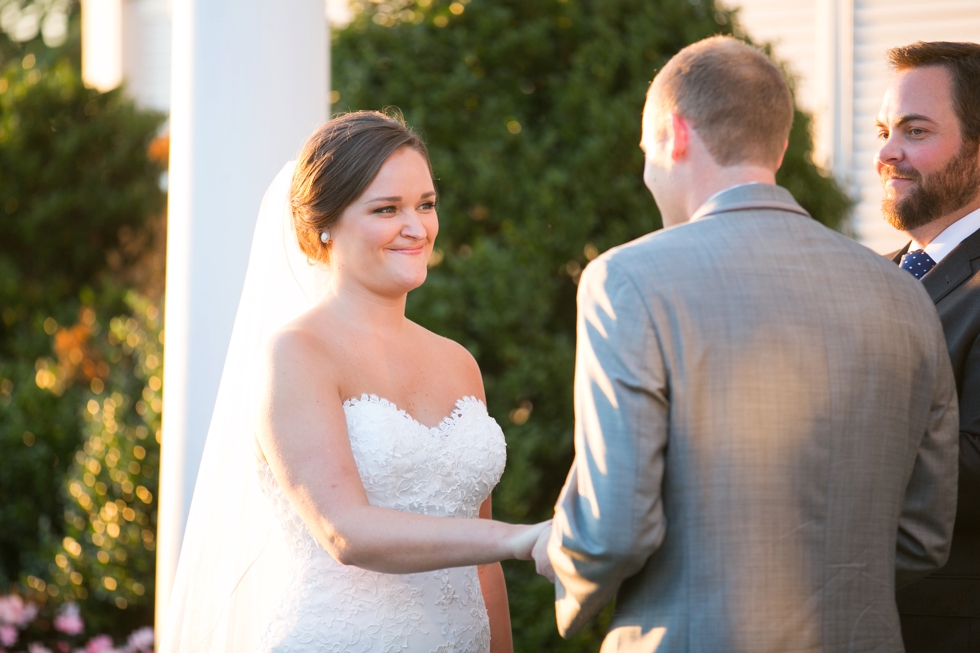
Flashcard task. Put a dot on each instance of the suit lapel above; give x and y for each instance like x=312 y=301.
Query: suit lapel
x=896 y=257
x=953 y=270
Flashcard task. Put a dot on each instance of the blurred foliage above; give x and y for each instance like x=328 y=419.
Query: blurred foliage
x=107 y=553
x=44 y=20
x=531 y=111
x=75 y=181
x=19 y=37
x=78 y=192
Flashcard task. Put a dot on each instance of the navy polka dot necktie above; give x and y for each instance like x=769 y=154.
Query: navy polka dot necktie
x=917 y=263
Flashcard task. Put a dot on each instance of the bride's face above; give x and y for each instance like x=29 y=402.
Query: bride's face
x=383 y=240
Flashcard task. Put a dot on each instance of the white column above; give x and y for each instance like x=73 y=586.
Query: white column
x=102 y=66
x=249 y=84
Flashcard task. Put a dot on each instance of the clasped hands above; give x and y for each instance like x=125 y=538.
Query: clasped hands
x=532 y=543
x=542 y=563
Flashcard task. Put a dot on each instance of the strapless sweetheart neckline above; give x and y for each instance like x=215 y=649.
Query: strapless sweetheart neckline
x=445 y=425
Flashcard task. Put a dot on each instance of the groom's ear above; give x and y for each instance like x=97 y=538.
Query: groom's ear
x=678 y=136
x=783 y=155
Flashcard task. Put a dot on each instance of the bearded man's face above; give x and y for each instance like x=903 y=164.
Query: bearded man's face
x=933 y=195
x=927 y=168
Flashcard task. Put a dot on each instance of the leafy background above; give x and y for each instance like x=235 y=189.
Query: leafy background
x=81 y=269
x=531 y=113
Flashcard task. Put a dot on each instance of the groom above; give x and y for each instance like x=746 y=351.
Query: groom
x=766 y=422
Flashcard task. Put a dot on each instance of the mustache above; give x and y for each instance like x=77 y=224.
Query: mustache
x=900 y=171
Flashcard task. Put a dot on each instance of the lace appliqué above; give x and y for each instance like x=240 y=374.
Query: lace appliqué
x=446 y=471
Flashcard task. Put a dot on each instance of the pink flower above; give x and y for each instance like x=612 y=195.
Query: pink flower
x=30 y=611
x=37 y=648
x=99 y=644
x=8 y=635
x=14 y=612
x=69 y=621
x=141 y=640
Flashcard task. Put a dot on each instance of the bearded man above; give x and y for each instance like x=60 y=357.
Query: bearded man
x=929 y=163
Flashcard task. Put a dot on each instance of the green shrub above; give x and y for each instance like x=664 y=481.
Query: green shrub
x=75 y=181
x=77 y=189
x=107 y=554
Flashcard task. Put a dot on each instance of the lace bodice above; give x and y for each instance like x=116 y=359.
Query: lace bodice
x=445 y=471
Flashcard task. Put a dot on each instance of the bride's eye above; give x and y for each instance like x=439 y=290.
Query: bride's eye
x=427 y=206
x=385 y=209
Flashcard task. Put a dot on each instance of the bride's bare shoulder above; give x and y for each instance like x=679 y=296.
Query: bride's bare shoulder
x=300 y=347
x=456 y=364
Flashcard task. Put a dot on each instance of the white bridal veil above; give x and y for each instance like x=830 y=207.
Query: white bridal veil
x=230 y=573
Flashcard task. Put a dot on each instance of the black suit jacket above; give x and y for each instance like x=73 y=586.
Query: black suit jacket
x=954 y=285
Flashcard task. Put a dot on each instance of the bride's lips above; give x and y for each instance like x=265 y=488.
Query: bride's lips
x=409 y=251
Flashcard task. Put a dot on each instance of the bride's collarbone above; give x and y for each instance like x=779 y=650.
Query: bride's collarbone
x=425 y=414
x=427 y=402
x=427 y=387
x=418 y=371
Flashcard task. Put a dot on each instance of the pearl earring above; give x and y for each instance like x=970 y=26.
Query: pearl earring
x=324 y=237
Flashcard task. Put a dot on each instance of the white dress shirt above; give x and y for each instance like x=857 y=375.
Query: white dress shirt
x=952 y=236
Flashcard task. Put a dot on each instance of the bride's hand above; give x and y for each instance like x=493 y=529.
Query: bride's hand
x=524 y=540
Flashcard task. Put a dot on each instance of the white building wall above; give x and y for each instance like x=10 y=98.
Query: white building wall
x=146 y=52
x=837 y=47
x=789 y=27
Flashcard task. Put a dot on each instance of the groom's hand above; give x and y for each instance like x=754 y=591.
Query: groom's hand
x=540 y=554
x=525 y=537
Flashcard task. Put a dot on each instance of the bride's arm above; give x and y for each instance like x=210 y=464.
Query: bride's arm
x=495 y=597
x=302 y=432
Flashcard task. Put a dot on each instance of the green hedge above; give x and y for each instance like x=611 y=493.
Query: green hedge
x=77 y=189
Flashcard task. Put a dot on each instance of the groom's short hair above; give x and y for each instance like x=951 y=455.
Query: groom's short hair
x=736 y=98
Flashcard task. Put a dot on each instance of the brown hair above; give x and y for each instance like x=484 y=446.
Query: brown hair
x=337 y=164
x=962 y=60
x=736 y=98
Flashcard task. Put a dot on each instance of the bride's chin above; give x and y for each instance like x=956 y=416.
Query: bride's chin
x=410 y=278
x=417 y=281
x=402 y=285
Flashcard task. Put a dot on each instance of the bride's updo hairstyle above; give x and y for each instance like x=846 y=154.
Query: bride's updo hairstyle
x=335 y=167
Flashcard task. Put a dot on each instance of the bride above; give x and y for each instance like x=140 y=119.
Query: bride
x=343 y=500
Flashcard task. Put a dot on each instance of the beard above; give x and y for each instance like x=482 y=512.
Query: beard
x=934 y=195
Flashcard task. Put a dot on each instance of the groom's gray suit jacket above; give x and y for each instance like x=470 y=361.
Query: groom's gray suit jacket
x=766 y=438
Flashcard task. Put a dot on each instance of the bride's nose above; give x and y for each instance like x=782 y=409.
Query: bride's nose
x=413 y=227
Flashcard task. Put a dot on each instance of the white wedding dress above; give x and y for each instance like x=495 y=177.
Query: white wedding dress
x=445 y=471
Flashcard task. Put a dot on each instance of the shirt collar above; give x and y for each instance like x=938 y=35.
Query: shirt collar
x=952 y=236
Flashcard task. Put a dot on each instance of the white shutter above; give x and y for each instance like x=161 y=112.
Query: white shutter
x=789 y=27
x=146 y=52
